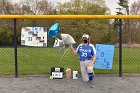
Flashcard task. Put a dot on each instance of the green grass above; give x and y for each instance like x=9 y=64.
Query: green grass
x=40 y=60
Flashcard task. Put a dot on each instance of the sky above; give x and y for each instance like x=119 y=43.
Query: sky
x=111 y=4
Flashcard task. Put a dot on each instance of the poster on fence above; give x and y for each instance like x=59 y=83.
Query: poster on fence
x=104 y=56
x=34 y=36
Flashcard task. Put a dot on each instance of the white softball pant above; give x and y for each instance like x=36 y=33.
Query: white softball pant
x=85 y=70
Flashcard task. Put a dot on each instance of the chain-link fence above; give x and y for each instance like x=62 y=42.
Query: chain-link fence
x=39 y=60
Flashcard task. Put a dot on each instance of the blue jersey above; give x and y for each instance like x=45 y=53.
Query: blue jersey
x=85 y=51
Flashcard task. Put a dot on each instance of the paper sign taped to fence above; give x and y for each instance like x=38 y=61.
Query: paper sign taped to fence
x=104 y=56
x=34 y=36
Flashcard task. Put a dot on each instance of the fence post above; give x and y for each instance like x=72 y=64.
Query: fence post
x=120 y=47
x=15 y=50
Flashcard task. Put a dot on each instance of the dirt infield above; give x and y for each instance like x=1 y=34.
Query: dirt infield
x=103 y=84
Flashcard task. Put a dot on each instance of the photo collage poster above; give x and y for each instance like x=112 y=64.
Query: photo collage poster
x=34 y=36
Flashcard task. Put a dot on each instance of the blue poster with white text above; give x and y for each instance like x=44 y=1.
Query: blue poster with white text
x=104 y=56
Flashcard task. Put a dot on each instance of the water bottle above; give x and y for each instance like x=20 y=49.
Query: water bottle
x=75 y=74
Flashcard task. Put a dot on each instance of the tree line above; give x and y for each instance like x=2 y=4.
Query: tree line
x=100 y=30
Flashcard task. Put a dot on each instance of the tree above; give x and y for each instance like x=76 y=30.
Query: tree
x=123 y=9
x=135 y=8
x=30 y=7
x=135 y=23
x=124 y=5
x=98 y=29
x=38 y=7
x=4 y=6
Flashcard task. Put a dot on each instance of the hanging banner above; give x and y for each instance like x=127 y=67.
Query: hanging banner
x=34 y=36
x=104 y=56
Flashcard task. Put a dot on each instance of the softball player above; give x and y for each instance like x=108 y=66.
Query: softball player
x=87 y=57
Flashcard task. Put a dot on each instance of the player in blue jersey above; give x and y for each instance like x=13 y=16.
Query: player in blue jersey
x=87 y=57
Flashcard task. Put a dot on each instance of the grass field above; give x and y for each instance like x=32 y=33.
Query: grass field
x=40 y=60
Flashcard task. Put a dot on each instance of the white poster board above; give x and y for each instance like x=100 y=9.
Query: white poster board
x=34 y=36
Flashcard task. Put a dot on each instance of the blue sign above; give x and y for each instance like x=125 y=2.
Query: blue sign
x=53 y=31
x=104 y=56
